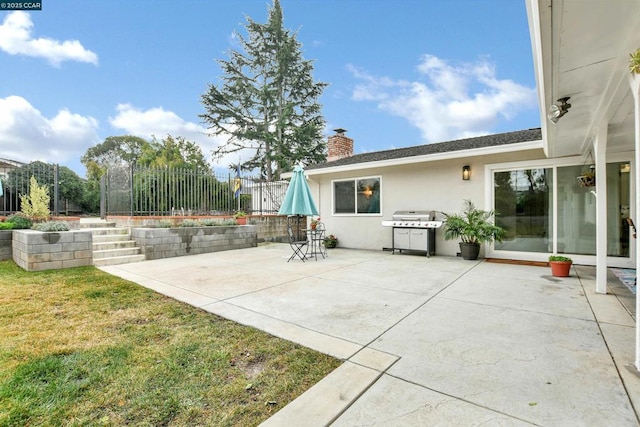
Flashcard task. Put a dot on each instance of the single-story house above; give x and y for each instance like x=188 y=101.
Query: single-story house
x=7 y=165
x=535 y=179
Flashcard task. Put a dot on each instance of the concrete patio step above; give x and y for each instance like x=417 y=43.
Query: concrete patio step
x=117 y=260
x=113 y=253
x=107 y=231
x=108 y=238
x=111 y=244
x=96 y=224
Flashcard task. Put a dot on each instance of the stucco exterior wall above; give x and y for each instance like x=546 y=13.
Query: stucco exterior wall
x=435 y=185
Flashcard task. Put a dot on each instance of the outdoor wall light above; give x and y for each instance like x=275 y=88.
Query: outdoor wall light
x=466 y=172
x=556 y=111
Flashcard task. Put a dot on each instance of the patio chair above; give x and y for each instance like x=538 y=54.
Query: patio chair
x=297 y=245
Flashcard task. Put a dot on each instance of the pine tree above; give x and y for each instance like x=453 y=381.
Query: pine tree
x=267 y=101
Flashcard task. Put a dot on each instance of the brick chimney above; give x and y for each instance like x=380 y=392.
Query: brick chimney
x=339 y=146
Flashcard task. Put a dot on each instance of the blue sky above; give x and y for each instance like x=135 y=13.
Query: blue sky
x=400 y=72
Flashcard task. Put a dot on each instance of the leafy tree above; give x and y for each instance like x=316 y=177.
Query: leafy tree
x=114 y=151
x=71 y=186
x=267 y=101
x=174 y=153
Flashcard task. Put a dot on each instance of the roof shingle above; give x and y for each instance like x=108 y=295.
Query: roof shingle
x=435 y=148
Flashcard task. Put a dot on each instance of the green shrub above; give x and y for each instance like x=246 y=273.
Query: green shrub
x=36 y=204
x=191 y=223
x=19 y=221
x=164 y=224
x=6 y=226
x=51 y=226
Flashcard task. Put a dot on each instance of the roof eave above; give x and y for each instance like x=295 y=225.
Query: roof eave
x=483 y=151
x=540 y=30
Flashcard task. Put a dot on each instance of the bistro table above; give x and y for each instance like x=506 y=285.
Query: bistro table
x=315 y=236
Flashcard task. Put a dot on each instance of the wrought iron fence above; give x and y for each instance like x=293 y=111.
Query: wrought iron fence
x=16 y=183
x=137 y=191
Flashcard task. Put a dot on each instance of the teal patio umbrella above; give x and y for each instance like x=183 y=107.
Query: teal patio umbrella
x=298 y=199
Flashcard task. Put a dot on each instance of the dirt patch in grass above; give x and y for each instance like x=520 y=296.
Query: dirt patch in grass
x=81 y=347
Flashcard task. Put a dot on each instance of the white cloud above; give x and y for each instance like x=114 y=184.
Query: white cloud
x=451 y=101
x=27 y=135
x=16 y=39
x=159 y=122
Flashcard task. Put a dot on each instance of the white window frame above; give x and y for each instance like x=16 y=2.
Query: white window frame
x=333 y=196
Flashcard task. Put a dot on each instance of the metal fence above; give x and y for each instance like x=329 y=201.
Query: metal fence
x=17 y=183
x=136 y=191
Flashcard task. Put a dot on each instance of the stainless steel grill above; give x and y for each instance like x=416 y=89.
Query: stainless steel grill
x=414 y=230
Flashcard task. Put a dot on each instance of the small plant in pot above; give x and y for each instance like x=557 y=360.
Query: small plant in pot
x=240 y=217
x=560 y=265
x=473 y=226
x=331 y=241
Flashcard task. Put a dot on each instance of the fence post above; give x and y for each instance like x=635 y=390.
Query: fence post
x=103 y=195
x=56 y=192
x=133 y=165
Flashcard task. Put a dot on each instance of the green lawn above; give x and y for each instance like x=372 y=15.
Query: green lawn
x=81 y=347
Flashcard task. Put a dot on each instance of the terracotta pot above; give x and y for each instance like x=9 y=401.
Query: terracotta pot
x=242 y=220
x=560 y=268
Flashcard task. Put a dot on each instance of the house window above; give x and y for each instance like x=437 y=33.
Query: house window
x=359 y=196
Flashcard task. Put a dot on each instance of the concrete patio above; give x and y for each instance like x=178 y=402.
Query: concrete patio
x=426 y=341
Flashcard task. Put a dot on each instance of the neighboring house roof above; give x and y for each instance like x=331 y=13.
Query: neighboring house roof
x=9 y=162
x=447 y=148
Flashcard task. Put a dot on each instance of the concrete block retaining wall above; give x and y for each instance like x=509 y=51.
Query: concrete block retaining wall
x=269 y=228
x=156 y=243
x=5 y=244
x=38 y=250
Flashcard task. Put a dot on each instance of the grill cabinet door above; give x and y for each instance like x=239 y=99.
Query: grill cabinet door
x=401 y=238
x=418 y=239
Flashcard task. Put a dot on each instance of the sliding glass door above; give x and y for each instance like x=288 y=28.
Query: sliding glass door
x=523 y=208
x=546 y=206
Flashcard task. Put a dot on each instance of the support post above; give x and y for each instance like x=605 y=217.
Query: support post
x=635 y=90
x=600 y=155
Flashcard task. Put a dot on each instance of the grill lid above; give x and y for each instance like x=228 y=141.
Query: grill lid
x=414 y=215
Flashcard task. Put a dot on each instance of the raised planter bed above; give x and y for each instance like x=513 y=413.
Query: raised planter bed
x=38 y=250
x=156 y=243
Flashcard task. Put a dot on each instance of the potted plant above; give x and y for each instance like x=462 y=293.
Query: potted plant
x=331 y=241
x=634 y=62
x=314 y=223
x=587 y=178
x=473 y=226
x=240 y=217
x=560 y=265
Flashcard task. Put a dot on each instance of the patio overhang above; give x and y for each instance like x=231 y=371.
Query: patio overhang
x=581 y=50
